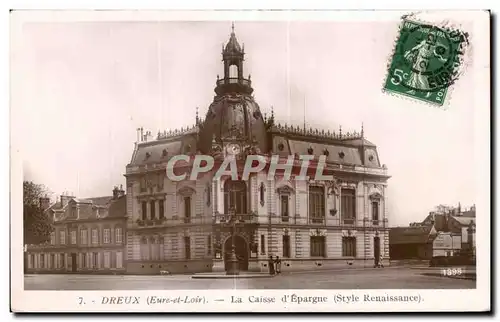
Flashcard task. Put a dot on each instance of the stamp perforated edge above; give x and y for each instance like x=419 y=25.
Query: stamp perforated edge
x=465 y=61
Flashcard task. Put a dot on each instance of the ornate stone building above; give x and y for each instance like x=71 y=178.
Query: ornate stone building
x=182 y=226
x=88 y=236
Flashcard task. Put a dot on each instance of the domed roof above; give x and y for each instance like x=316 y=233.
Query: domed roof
x=233 y=117
x=233 y=46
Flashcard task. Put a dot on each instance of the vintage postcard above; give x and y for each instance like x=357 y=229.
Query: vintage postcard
x=250 y=161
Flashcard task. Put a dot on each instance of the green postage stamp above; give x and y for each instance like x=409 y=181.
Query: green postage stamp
x=427 y=60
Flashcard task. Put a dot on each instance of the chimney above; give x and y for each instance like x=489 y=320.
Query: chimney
x=44 y=203
x=65 y=199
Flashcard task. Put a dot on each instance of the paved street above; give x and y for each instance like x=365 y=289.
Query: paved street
x=387 y=278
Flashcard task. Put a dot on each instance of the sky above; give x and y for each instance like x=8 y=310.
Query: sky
x=82 y=88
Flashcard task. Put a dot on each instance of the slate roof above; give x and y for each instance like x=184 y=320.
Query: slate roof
x=412 y=235
x=465 y=221
x=107 y=207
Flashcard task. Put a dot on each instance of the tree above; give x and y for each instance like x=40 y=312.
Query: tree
x=37 y=223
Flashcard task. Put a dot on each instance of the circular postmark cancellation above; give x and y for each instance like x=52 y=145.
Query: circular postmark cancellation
x=427 y=61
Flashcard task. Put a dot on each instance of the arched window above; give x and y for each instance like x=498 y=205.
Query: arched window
x=235 y=195
x=233 y=71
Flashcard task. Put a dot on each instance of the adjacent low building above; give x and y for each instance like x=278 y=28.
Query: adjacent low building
x=445 y=233
x=88 y=236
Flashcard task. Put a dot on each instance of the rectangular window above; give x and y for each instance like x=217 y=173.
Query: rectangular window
x=375 y=209
x=348 y=205
x=73 y=237
x=62 y=237
x=209 y=244
x=31 y=263
x=286 y=246
x=161 y=180
x=152 y=207
x=316 y=205
x=118 y=235
x=62 y=261
x=349 y=246
x=144 y=205
x=119 y=260
x=284 y=207
x=161 y=213
x=262 y=244
x=107 y=237
x=187 y=209
x=318 y=248
x=53 y=238
x=143 y=184
x=95 y=260
x=95 y=238
x=113 y=259
x=84 y=260
x=106 y=260
x=83 y=236
x=42 y=261
x=52 y=261
x=187 y=247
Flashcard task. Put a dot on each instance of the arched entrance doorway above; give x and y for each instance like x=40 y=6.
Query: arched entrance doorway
x=241 y=250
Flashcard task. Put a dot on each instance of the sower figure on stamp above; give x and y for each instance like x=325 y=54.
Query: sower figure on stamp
x=278 y=265
x=419 y=56
x=271 y=265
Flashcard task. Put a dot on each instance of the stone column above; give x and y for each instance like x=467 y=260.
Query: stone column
x=148 y=209
x=157 y=208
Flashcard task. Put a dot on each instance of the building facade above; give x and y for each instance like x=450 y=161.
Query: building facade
x=461 y=223
x=182 y=226
x=88 y=236
x=441 y=233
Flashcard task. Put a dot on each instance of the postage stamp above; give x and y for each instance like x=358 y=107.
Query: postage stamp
x=427 y=61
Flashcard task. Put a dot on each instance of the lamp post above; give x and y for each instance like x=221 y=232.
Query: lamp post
x=233 y=266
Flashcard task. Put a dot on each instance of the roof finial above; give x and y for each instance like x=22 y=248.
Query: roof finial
x=362 y=130
x=232 y=27
x=197 y=117
x=340 y=131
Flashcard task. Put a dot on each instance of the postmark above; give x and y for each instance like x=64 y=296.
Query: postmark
x=426 y=62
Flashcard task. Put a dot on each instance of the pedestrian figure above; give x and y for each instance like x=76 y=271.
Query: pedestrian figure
x=380 y=262
x=278 y=265
x=271 y=265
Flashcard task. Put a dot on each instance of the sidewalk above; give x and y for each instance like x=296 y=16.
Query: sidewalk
x=340 y=270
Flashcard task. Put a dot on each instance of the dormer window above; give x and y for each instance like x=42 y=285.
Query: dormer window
x=326 y=152
x=164 y=153
x=341 y=154
x=281 y=146
x=370 y=158
x=147 y=156
x=310 y=150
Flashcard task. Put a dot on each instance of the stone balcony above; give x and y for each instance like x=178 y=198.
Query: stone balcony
x=240 y=218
